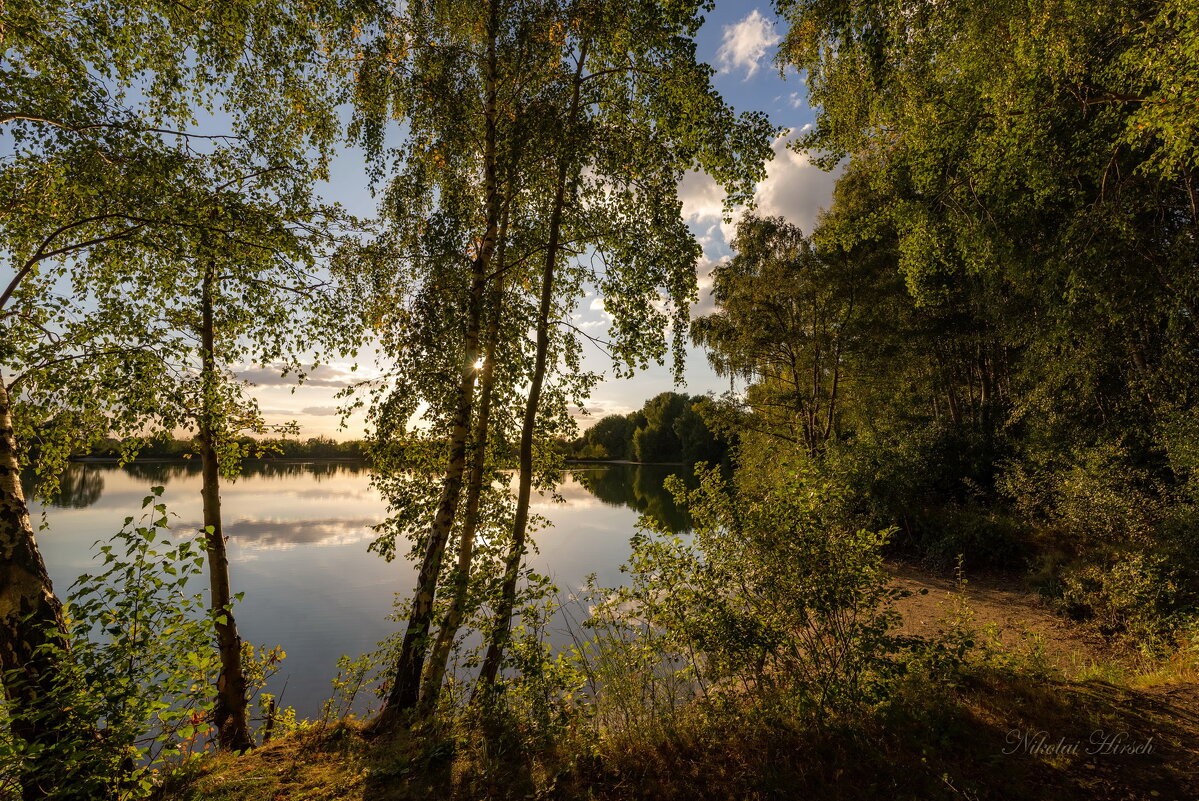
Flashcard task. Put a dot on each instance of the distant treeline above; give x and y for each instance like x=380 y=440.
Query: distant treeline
x=669 y=428
x=311 y=448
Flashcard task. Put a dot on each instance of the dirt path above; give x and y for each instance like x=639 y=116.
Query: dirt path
x=1162 y=711
x=1019 y=617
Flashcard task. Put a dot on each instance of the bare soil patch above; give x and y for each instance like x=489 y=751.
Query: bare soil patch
x=1018 y=616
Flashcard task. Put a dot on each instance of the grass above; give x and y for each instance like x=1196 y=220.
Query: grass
x=976 y=738
x=1007 y=723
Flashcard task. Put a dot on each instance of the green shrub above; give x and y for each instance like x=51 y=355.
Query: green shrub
x=771 y=597
x=139 y=673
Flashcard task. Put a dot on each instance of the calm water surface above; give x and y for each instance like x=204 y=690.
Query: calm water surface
x=298 y=535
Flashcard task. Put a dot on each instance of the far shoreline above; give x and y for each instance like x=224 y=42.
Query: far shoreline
x=185 y=459
x=301 y=459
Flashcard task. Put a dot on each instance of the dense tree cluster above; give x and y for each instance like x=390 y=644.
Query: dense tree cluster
x=991 y=336
x=669 y=428
x=162 y=223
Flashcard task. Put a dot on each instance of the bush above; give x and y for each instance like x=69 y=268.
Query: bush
x=139 y=672
x=772 y=598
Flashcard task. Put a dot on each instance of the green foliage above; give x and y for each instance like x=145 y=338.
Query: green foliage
x=787 y=319
x=610 y=437
x=140 y=662
x=772 y=595
x=154 y=657
x=354 y=674
x=657 y=440
x=534 y=134
x=669 y=428
x=541 y=701
x=633 y=141
x=635 y=681
x=640 y=487
x=1123 y=543
x=990 y=337
x=112 y=190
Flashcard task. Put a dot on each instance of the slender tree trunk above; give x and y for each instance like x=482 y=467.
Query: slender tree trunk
x=829 y=426
x=440 y=657
x=439 y=660
x=502 y=620
x=30 y=620
x=229 y=713
x=405 y=686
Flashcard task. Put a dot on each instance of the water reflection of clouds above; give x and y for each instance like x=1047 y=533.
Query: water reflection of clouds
x=327 y=494
x=279 y=534
x=574 y=494
x=304 y=527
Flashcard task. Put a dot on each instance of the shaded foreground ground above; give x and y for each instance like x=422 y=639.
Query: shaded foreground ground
x=1050 y=722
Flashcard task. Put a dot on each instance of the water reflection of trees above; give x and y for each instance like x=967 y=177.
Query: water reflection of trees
x=163 y=472
x=159 y=472
x=78 y=487
x=639 y=487
x=317 y=470
x=82 y=483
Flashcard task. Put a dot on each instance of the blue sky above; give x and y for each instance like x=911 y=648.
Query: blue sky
x=739 y=39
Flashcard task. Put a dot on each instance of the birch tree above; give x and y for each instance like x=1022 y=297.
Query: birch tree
x=641 y=113
x=101 y=103
x=487 y=91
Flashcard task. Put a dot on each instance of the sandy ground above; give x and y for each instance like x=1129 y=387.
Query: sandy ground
x=1019 y=616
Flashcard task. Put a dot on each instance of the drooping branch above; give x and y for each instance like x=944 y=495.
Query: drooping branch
x=41 y=253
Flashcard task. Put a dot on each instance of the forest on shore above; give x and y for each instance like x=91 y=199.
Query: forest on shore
x=670 y=428
x=983 y=358
x=168 y=447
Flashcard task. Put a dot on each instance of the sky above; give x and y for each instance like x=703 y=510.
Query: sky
x=739 y=39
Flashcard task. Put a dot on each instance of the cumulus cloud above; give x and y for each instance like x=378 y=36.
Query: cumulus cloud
x=794 y=187
x=703 y=274
x=586 y=418
x=324 y=375
x=745 y=44
x=596 y=410
x=701 y=196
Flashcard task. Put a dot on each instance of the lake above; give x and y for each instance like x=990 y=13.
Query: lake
x=298 y=535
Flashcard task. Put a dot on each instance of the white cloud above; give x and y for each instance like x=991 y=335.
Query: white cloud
x=277 y=534
x=794 y=187
x=323 y=375
x=745 y=44
x=703 y=275
x=701 y=196
x=597 y=408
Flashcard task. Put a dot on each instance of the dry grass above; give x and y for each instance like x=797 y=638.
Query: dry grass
x=929 y=743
